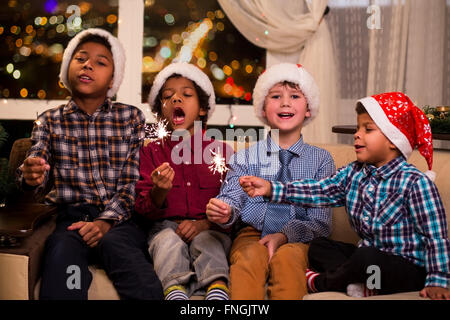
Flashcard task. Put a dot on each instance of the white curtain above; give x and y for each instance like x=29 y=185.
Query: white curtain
x=409 y=51
x=387 y=48
x=293 y=29
x=425 y=58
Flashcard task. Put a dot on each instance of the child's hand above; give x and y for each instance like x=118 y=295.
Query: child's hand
x=255 y=186
x=189 y=229
x=162 y=176
x=33 y=170
x=92 y=232
x=273 y=242
x=435 y=293
x=218 y=211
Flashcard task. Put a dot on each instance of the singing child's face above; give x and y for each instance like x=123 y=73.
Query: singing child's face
x=285 y=108
x=371 y=145
x=91 y=70
x=180 y=104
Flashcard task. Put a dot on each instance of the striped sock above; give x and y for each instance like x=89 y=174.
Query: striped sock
x=217 y=292
x=310 y=276
x=175 y=293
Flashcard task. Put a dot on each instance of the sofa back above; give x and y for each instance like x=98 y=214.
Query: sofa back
x=344 y=154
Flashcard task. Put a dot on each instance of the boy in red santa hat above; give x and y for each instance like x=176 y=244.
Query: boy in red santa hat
x=395 y=208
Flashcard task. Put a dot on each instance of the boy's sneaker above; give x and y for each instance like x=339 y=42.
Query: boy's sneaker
x=359 y=290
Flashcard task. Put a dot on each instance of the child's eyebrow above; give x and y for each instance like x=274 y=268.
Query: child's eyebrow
x=99 y=55
x=103 y=56
x=185 y=87
x=366 y=123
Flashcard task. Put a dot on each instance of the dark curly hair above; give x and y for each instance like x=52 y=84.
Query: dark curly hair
x=203 y=100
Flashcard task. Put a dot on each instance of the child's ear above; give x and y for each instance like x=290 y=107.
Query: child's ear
x=308 y=113
x=203 y=112
x=393 y=146
x=111 y=83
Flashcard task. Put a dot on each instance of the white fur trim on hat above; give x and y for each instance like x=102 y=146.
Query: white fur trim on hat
x=117 y=51
x=286 y=72
x=389 y=130
x=188 y=71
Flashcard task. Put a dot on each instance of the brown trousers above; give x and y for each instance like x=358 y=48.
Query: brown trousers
x=251 y=269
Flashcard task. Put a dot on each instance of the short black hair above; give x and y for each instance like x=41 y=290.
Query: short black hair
x=203 y=100
x=360 y=109
x=96 y=39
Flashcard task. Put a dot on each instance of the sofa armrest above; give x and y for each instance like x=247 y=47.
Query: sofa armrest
x=31 y=245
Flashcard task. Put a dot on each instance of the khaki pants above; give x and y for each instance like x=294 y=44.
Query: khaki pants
x=250 y=269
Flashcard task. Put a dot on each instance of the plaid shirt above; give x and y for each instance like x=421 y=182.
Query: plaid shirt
x=94 y=158
x=394 y=208
x=262 y=160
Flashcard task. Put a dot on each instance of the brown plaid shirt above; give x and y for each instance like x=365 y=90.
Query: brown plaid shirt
x=94 y=159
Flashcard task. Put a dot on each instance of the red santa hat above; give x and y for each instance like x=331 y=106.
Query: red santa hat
x=117 y=51
x=281 y=72
x=404 y=124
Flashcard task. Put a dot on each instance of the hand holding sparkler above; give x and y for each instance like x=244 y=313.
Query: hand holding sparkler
x=33 y=170
x=162 y=176
x=218 y=211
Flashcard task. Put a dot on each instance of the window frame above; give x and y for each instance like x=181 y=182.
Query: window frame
x=130 y=33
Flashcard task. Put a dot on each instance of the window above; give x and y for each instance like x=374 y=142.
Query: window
x=199 y=32
x=33 y=35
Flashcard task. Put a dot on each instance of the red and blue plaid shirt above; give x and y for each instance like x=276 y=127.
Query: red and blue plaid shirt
x=394 y=208
x=94 y=158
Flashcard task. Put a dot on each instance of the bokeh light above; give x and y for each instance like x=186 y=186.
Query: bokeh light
x=10 y=68
x=23 y=92
x=16 y=74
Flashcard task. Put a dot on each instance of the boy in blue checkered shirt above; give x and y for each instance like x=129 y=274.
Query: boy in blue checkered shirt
x=272 y=243
x=395 y=209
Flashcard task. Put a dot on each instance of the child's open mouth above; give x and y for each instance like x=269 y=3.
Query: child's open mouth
x=358 y=147
x=178 y=116
x=84 y=78
x=285 y=115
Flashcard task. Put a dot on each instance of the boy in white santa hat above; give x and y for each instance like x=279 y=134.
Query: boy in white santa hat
x=90 y=146
x=395 y=208
x=272 y=243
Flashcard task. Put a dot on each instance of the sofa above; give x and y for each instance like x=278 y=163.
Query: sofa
x=20 y=266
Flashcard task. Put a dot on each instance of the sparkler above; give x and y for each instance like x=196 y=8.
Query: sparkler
x=218 y=164
x=157 y=131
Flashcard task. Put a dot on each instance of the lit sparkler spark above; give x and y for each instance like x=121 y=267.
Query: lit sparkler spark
x=157 y=131
x=218 y=164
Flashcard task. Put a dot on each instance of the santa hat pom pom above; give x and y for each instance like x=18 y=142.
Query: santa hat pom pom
x=431 y=174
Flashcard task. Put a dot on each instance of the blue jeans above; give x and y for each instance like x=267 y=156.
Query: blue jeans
x=194 y=265
x=121 y=252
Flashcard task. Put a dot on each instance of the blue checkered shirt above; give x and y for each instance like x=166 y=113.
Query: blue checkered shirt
x=262 y=160
x=394 y=208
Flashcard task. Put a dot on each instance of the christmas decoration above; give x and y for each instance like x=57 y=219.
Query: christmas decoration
x=439 y=118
